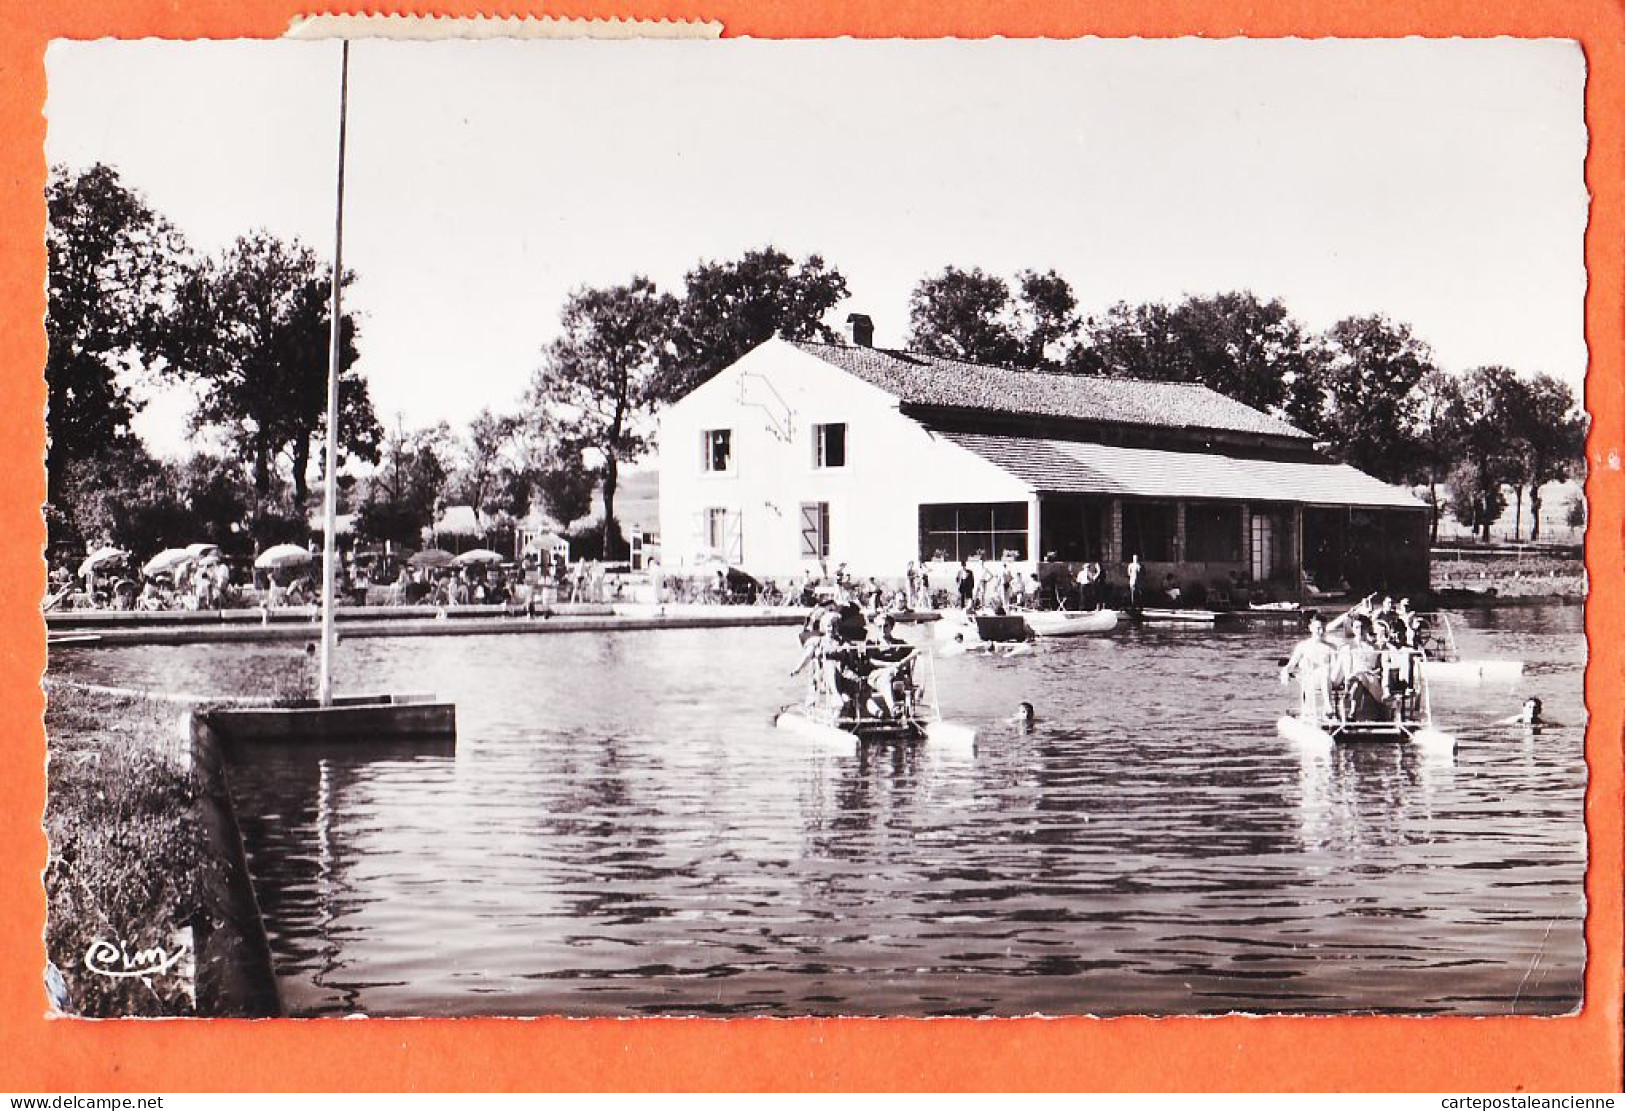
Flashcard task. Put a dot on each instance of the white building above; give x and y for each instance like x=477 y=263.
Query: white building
x=803 y=456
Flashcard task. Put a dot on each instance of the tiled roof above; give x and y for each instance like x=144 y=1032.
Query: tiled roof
x=1070 y=467
x=948 y=383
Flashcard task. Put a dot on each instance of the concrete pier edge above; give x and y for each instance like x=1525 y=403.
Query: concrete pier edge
x=628 y=618
x=235 y=974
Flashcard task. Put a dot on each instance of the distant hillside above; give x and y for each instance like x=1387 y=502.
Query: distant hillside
x=1554 y=513
x=637 y=501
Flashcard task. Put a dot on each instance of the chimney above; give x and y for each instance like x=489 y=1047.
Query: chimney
x=861 y=330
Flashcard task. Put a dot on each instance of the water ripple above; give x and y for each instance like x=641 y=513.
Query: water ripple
x=622 y=832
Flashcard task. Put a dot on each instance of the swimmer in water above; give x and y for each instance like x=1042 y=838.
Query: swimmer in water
x=1024 y=715
x=1531 y=716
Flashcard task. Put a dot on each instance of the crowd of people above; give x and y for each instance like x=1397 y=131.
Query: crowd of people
x=205 y=582
x=115 y=580
x=1368 y=671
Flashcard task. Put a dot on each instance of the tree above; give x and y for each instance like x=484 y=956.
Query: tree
x=600 y=379
x=1133 y=341
x=489 y=474
x=219 y=495
x=399 y=499
x=728 y=308
x=1575 y=515
x=1372 y=368
x=566 y=484
x=1549 y=424
x=126 y=497
x=972 y=315
x=255 y=326
x=1477 y=496
x=1046 y=319
x=1232 y=343
x=1251 y=350
x=1487 y=447
x=113 y=265
x=1437 y=435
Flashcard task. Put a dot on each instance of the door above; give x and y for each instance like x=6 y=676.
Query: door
x=1263 y=547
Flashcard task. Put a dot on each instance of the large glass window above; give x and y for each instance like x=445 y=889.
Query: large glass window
x=829 y=445
x=716 y=449
x=1148 y=530
x=965 y=530
x=1213 y=533
x=814 y=530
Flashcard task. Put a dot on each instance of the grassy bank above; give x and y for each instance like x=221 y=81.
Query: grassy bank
x=125 y=851
x=1530 y=577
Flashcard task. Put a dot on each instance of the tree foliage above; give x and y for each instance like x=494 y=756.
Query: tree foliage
x=602 y=375
x=490 y=473
x=126 y=497
x=974 y=316
x=565 y=484
x=113 y=267
x=1132 y=341
x=221 y=499
x=1574 y=510
x=1233 y=343
x=1046 y=319
x=728 y=308
x=1489 y=398
x=1550 y=428
x=254 y=325
x=400 y=498
x=1440 y=426
x=1367 y=393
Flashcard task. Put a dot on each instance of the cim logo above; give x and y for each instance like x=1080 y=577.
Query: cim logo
x=115 y=960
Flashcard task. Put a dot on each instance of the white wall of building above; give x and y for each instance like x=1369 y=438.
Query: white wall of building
x=770 y=401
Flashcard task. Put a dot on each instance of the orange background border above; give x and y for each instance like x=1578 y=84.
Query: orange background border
x=1581 y=1053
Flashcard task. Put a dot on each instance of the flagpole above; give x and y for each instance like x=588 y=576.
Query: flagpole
x=335 y=336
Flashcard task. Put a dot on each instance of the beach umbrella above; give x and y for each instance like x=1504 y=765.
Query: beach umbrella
x=200 y=550
x=279 y=556
x=100 y=558
x=432 y=557
x=166 y=562
x=477 y=555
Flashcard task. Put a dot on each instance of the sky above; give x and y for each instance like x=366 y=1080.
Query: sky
x=1437 y=181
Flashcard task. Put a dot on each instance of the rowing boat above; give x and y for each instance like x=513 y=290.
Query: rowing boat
x=1069 y=623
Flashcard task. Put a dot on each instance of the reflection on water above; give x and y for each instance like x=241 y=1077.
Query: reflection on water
x=621 y=831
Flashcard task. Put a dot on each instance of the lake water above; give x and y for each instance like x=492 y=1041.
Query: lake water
x=622 y=832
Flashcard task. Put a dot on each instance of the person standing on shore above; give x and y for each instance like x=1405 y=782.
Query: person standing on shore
x=1089 y=592
x=1135 y=567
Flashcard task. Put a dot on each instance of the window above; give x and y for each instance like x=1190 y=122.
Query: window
x=1213 y=533
x=829 y=445
x=815 y=530
x=716 y=529
x=716 y=450
x=723 y=534
x=959 y=532
x=1148 y=530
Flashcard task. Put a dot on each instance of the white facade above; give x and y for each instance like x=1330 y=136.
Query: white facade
x=741 y=478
